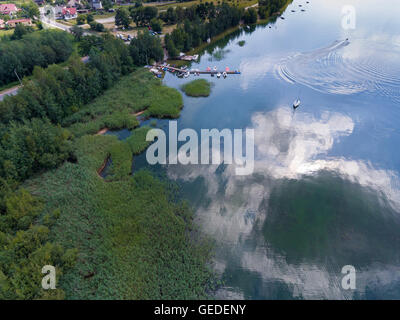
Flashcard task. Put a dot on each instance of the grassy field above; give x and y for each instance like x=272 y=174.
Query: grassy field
x=18 y=3
x=197 y=88
x=135 y=237
x=5 y=32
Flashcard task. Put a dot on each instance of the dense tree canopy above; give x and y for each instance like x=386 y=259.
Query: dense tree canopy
x=122 y=18
x=200 y=23
x=25 y=247
x=143 y=15
x=250 y=16
x=40 y=48
x=270 y=7
x=144 y=48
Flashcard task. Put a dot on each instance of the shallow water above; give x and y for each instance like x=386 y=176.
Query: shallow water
x=325 y=189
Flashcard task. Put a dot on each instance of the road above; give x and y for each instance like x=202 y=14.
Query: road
x=252 y=6
x=106 y=20
x=52 y=22
x=9 y=92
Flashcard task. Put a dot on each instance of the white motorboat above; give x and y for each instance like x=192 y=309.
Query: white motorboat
x=219 y=75
x=296 y=103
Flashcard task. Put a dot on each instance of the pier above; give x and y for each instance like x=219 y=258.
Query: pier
x=196 y=71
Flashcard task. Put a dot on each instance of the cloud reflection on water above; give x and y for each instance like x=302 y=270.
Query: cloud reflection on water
x=288 y=146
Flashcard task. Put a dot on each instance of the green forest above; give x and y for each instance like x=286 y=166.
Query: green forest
x=128 y=237
x=41 y=48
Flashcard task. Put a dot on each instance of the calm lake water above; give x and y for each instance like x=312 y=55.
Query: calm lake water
x=325 y=189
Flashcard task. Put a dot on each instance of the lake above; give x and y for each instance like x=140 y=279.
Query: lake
x=325 y=189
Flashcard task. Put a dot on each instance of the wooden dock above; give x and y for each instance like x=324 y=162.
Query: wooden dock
x=179 y=70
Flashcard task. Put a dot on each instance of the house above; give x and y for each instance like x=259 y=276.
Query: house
x=73 y=4
x=97 y=5
x=13 y=23
x=58 y=12
x=2 y=24
x=8 y=8
x=69 y=13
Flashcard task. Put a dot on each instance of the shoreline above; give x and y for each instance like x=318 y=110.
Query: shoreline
x=227 y=32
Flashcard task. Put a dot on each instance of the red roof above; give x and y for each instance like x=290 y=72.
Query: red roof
x=71 y=11
x=8 y=8
x=19 y=20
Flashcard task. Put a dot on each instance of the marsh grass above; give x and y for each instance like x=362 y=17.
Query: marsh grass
x=135 y=238
x=197 y=88
x=115 y=108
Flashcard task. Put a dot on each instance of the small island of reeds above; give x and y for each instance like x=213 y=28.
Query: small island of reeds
x=197 y=88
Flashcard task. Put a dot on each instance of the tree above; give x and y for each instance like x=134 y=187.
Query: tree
x=81 y=19
x=122 y=18
x=171 y=16
x=137 y=14
x=34 y=49
x=107 y=4
x=170 y=46
x=262 y=12
x=89 y=18
x=149 y=13
x=31 y=10
x=250 y=16
x=156 y=25
x=77 y=32
x=96 y=26
x=144 y=48
x=21 y=30
x=89 y=42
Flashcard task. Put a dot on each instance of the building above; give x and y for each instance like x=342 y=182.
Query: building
x=65 y=13
x=2 y=24
x=8 y=8
x=97 y=5
x=69 y=13
x=74 y=4
x=13 y=23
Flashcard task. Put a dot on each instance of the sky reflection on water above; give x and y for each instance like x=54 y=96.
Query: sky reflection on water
x=325 y=189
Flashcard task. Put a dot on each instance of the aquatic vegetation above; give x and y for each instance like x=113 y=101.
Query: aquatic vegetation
x=135 y=238
x=134 y=241
x=165 y=102
x=197 y=88
x=115 y=109
x=121 y=161
x=241 y=43
x=137 y=141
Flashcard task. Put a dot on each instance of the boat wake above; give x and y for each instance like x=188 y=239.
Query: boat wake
x=346 y=67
